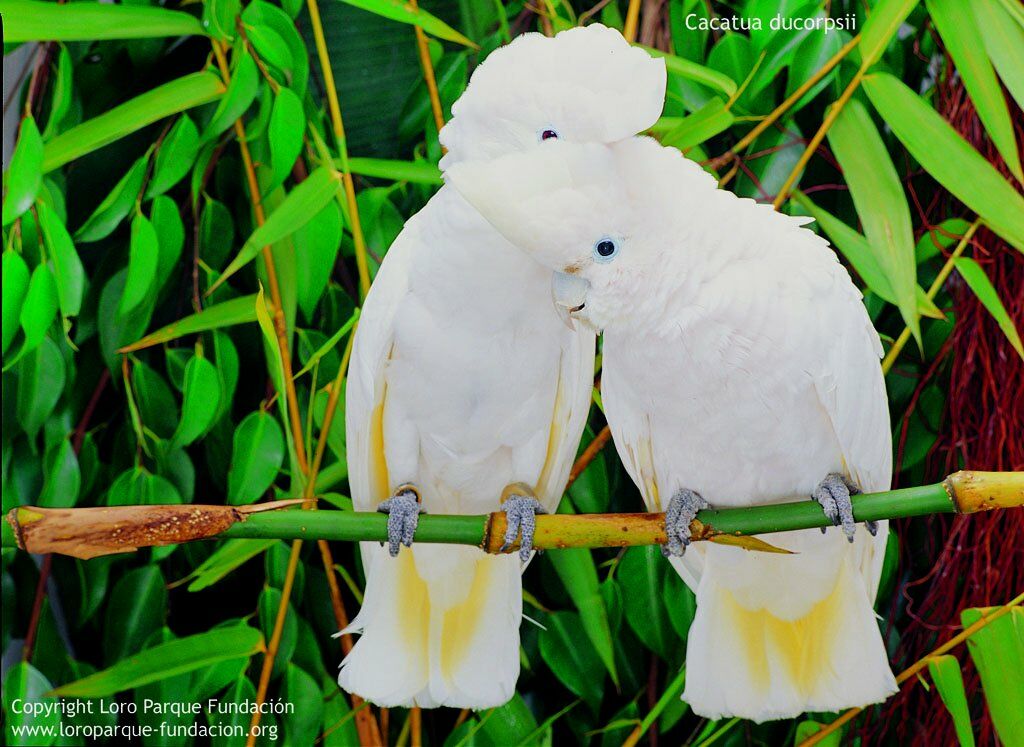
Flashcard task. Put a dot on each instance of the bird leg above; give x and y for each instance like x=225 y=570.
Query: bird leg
x=521 y=508
x=833 y=495
x=682 y=509
x=403 y=510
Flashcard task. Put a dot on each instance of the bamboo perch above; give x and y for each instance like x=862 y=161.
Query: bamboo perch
x=91 y=532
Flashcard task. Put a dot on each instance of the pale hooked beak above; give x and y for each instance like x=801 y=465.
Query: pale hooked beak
x=569 y=293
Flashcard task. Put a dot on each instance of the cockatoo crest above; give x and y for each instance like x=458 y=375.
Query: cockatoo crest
x=584 y=85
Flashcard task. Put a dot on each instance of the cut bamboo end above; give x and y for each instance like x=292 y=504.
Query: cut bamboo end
x=971 y=492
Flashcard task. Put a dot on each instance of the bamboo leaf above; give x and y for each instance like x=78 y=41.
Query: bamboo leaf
x=881 y=204
x=256 y=456
x=163 y=101
x=115 y=206
x=858 y=253
x=945 y=673
x=948 y=157
x=417 y=172
x=68 y=270
x=692 y=71
x=883 y=23
x=997 y=651
x=39 y=309
x=26 y=683
x=1004 y=42
x=28 y=20
x=316 y=248
x=24 y=177
x=396 y=10
x=174 y=157
x=15 y=286
x=297 y=209
x=329 y=345
x=201 y=398
x=168 y=659
x=965 y=43
x=573 y=661
x=978 y=281
x=227 y=558
x=706 y=122
x=170 y=233
x=225 y=314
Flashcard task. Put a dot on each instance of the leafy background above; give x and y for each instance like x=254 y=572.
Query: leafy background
x=142 y=330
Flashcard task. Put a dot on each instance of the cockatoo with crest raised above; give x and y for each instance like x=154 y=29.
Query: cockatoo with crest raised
x=739 y=368
x=468 y=391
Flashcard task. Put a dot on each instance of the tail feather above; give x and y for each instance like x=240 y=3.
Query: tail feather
x=745 y=661
x=440 y=627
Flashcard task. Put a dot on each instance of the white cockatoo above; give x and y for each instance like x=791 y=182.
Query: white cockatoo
x=467 y=390
x=739 y=368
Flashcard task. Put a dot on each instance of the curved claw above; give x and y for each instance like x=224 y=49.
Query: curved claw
x=403 y=510
x=521 y=516
x=833 y=495
x=682 y=509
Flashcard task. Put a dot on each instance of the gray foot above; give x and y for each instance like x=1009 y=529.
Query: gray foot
x=403 y=510
x=681 y=511
x=521 y=510
x=833 y=495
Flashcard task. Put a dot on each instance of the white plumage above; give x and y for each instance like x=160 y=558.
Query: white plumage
x=464 y=379
x=739 y=362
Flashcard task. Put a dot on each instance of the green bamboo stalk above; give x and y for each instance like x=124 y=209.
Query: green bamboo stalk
x=89 y=532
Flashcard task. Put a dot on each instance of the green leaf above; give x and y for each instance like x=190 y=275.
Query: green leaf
x=287 y=126
x=328 y=346
x=572 y=660
x=316 y=249
x=396 y=10
x=28 y=20
x=508 y=724
x=115 y=206
x=143 y=256
x=201 y=399
x=706 y=122
x=965 y=43
x=15 y=286
x=62 y=97
x=25 y=176
x=883 y=23
x=263 y=14
x=947 y=157
x=242 y=89
x=256 y=457
x=297 y=209
x=302 y=726
x=578 y=572
x=997 y=651
x=978 y=281
x=1004 y=42
x=417 y=172
x=62 y=478
x=174 y=157
x=26 y=683
x=642 y=572
x=227 y=557
x=216 y=233
x=42 y=374
x=945 y=673
x=270 y=47
x=339 y=726
x=858 y=253
x=692 y=71
x=39 y=309
x=135 y=611
x=153 y=105
x=170 y=234
x=68 y=270
x=168 y=659
x=220 y=17
x=881 y=204
x=240 y=310
x=806 y=729
x=236 y=719
x=810 y=57
x=137 y=487
x=269 y=604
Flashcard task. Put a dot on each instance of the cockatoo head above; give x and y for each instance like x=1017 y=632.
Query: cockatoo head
x=584 y=85
x=611 y=220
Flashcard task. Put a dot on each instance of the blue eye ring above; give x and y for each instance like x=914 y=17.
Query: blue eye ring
x=548 y=133
x=606 y=249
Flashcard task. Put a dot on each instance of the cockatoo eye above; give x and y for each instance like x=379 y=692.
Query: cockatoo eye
x=605 y=250
x=548 y=134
